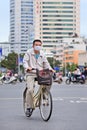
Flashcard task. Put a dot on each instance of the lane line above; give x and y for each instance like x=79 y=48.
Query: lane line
x=69 y=99
x=60 y=98
x=81 y=101
x=54 y=98
x=72 y=99
x=10 y=98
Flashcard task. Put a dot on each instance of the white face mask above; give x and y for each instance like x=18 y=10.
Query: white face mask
x=37 y=48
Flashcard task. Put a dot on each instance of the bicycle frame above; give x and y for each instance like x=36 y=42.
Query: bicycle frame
x=36 y=97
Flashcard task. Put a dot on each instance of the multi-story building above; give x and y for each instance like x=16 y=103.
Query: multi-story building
x=82 y=61
x=50 y=19
x=56 y=19
x=21 y=25
x=67 y=50
x=72 y=50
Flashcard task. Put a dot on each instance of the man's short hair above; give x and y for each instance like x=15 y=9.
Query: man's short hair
x=37 y=40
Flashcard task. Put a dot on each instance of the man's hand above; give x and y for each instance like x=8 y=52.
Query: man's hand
x=53 y=71
x=29 y=69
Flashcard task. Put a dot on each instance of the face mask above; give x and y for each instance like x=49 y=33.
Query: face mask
x=37 y=48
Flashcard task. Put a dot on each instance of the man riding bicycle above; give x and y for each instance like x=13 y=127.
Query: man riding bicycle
x=33 y=58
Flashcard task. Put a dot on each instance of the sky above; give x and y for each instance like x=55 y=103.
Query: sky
x=5 y=18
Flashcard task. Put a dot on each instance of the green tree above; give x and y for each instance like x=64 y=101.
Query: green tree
x=71 y=67
x=53 y=62
x=10 y=62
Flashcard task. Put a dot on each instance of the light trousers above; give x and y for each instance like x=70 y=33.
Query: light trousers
x=30 y=90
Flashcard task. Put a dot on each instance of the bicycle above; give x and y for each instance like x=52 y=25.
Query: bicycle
x=42 y=99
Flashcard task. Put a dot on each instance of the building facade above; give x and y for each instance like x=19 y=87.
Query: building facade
x=56 y=19
x=48 y=20
x=21 y=25
x=82 y=61
x=68 y=50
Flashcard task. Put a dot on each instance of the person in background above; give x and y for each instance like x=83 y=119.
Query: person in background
x=85 y=72
x=77 y=73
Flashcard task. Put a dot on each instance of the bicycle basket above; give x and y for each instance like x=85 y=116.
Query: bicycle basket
x=44 y=77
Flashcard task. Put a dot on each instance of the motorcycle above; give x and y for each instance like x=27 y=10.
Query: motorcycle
x=58 y=79
x=20 y=78
x=80 y=79
x=7 y=80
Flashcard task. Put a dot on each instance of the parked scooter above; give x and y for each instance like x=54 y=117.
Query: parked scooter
x=7 y=80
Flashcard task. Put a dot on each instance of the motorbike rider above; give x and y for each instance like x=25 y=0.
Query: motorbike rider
x=77 y=73
x=85 y=72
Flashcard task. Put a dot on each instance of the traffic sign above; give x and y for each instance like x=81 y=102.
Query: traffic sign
x=0 y=51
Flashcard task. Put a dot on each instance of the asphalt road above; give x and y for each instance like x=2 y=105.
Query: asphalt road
x=69 y=109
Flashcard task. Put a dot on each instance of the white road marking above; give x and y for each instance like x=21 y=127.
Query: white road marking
x=58 y=98
x=81 y=101
x=83 y=98
x=77 y=101
x=69 y=99
x=10 y=98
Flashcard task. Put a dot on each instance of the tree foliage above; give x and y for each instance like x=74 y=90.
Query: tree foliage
x=53 y=62
x=10 y=62
x=69 y=67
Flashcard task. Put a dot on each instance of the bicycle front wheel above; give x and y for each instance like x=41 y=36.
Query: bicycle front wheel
x=46 y=105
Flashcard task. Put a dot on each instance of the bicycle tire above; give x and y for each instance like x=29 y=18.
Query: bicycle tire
x=68 y=81
x=46 y=114
x=24 y=101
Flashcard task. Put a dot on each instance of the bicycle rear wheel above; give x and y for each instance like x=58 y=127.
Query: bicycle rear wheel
x=24 y=100
x=46 y=105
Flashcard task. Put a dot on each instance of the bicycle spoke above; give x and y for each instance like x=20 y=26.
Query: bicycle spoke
x=46 y=106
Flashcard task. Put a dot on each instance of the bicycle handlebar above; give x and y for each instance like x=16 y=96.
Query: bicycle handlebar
x=37 y=69
x=54 y=74
x=30 y=70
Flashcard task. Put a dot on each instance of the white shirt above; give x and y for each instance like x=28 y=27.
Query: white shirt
x=29 y=60
x=78 y=72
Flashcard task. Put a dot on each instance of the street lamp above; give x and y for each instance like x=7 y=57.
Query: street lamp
x=18 y=63
x=65 y=47
x=17 y=50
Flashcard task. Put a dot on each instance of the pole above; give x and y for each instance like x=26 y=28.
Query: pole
x=17 y=50
x=18 y=63
x=65 y=66
x=18 y=58
x=65 y=62
x=0 y=61
x=0 y=56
